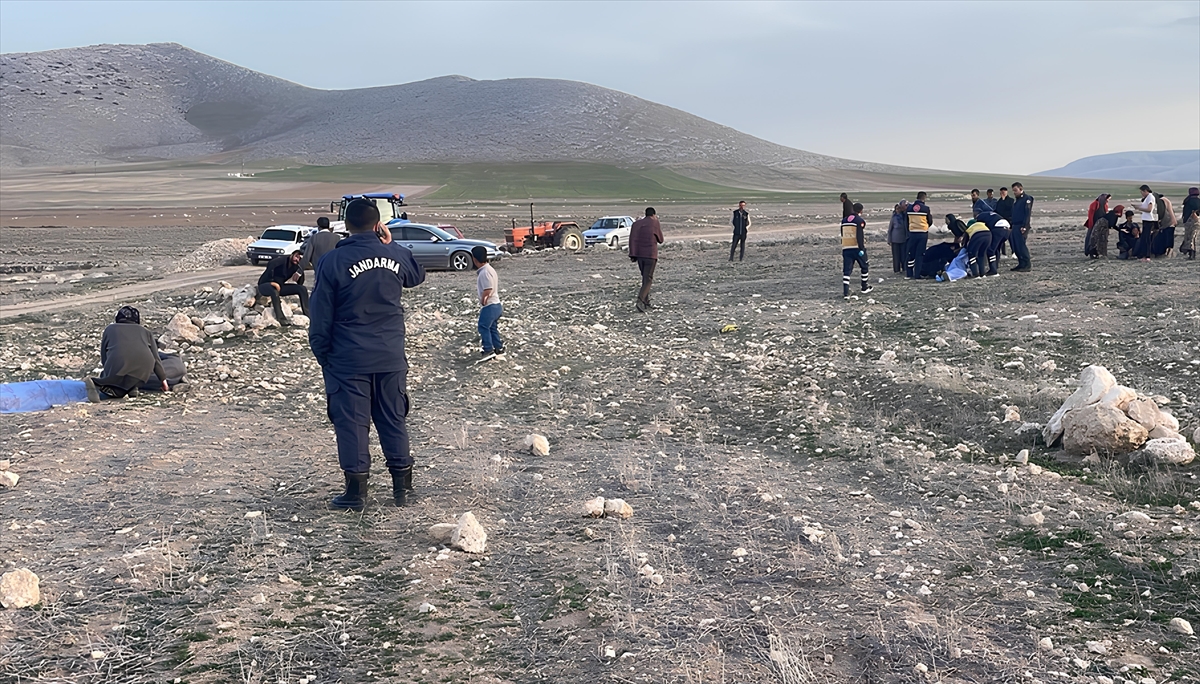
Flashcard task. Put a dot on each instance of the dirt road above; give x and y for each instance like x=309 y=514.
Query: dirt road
x=131 y=292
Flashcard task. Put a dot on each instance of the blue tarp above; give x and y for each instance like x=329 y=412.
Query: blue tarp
x=39 y=395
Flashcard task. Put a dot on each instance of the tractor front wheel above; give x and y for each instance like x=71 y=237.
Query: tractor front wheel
x=571 y=240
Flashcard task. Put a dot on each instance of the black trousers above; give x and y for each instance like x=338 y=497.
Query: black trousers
x=356 y=401
x=284 y=291
x=739 y=239
x=646 y=266
x=977 y=253
x=999 y=235
x=849 y=258
x=916 y=254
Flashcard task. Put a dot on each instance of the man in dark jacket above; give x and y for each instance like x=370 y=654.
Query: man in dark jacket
x=644 y=238
x=321 y=243
x=284 y=277
x=1022 y=214
x=129 y=356
x=357 y=335
x=741 y=225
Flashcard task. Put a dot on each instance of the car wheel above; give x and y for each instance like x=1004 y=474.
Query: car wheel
x=460 y=261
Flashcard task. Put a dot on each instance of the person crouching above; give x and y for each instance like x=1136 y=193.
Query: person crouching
x=284 y=277
x=129 y=356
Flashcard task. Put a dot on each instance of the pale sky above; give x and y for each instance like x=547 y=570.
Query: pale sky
x=1008 y=87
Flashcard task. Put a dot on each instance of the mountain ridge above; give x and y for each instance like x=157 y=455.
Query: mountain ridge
x=165 y=101
x=1172 y=166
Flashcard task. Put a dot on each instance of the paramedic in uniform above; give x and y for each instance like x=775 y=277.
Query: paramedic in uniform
x=919 y=219
x=357 y=335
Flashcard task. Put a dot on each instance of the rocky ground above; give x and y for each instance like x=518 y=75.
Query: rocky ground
x=831 y=492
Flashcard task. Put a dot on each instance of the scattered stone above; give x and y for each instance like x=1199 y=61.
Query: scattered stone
x=1094 y=382
x=181 y=329
x=1012 y=415
x=1096 y=647
x=8 y=478
x=1164 y=452
x=1046 y=644
x=469 y=535
x=740 y=553
x=442 y=532
x=1138 y=516
x=19 y=589
x=618 y=508
x=888 y=356
x=1022 y=457
x=1145 y=412
x=1103 y=429
x=218 y=328
x=594 y=508
x=1031 y=520
x=1180 y=625
x=426 y=607
x=299 y=320
x=538 y=445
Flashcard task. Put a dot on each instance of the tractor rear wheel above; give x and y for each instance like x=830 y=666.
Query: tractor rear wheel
x=570 y=239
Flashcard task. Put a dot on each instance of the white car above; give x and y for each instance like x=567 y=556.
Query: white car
x=610 y=230
x=276 y=241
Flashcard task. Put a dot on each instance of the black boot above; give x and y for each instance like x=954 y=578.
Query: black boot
x=355 y=496
x=402 y=487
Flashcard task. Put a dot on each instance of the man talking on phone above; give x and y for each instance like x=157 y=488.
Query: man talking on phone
x=356 y=332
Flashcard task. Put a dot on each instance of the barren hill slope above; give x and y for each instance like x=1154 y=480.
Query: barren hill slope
x=164 y=101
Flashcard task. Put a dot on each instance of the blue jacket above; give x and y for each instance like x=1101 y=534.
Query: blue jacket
x=1022 y=210
x=989 y=219
x=356 y=318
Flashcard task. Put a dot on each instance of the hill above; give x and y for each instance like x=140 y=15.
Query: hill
x=1173 y=166
x=163 y=101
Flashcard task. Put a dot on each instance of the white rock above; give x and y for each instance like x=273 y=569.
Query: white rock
x=538 y=445
x=181 y=328
x=426 y=607
x=1164 y=452
x=740 y=552
x=1096 y=647
x=469 y=535
x=1119 y=397
x=19 y=589
x=618 y=508
x=1180 y=625
x=1022 y=457
x=1046 y=644
x=1138 y=517
x=888 y=356
x=1012 y=415
x=8 y=478
x=594 y=508
x=441 y=532
x=218 y=328
x=1031 y=520
x=1164 y=432
x=1094 y=382
x=1196 y=436
x=1144 y=411
x=1102 y=429
x=299 y=320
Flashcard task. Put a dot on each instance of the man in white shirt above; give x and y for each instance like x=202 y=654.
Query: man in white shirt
x=488 y=288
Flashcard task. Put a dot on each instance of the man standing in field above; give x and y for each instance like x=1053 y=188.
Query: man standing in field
x=644 y=238
x=919 y=219
x=321 y=243
x=357 y=335
x=490 y=309
x=1022 y=213
x=854 y=250
x=741 y=225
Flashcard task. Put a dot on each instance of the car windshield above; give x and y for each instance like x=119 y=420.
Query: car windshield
x=604 y=224
x=278 y=234
x=440 y=233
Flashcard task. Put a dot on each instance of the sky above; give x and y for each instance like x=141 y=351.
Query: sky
x=1007 y=87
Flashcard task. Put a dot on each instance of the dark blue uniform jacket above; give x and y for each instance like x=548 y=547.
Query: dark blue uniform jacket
x=989 y=219
x=1022 y=211
x=356 y=318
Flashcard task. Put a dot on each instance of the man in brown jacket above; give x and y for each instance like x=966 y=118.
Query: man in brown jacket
x=644 y=238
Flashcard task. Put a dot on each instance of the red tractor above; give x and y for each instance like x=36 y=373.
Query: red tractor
x=539 y=235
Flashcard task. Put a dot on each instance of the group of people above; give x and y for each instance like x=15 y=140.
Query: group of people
x=1151 y=237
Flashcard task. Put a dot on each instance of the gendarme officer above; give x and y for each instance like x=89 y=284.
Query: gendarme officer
x=357 y=334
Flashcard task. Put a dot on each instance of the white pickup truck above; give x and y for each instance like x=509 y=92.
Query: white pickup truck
x=276 y=241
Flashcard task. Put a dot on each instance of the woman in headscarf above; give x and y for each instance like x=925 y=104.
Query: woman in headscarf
x=898 y=235
x=1164 y=241
x=1191 y=223
x=129 y=356
x=1096 y=212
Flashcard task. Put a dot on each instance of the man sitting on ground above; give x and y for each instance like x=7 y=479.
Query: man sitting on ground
x=284 y=277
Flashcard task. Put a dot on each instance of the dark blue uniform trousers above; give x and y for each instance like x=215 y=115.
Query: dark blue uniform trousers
x=1020 y=250
x=355 y=401
x=916 y=254
x=977 y=253
x=995 y=243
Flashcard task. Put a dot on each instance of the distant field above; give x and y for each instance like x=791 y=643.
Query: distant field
x=571 y=180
